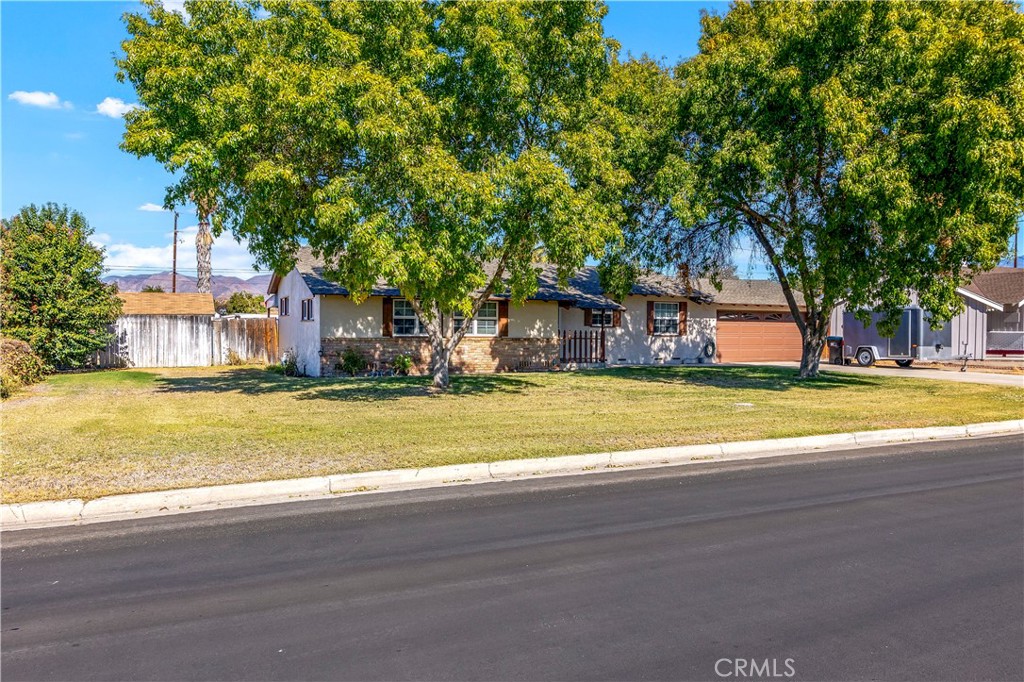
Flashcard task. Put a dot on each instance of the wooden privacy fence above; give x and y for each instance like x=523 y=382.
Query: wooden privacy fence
x=188 y=341
x=586 y=346
x=253 y=339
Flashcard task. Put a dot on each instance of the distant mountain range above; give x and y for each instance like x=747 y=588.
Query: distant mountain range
x=222 y=285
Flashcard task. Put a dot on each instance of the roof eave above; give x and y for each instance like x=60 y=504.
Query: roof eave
x=967 y=293
x=274 y=283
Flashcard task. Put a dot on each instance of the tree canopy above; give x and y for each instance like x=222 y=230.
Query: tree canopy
x=436 y=145
x=243 y=302
x=868 y=149
x=51 y=294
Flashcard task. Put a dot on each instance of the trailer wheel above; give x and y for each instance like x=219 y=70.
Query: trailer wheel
x=865 y=358
x=905 y=363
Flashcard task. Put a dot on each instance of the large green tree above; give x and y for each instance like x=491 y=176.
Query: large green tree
x=867 y=149
x=436 y=145
x=51 y=292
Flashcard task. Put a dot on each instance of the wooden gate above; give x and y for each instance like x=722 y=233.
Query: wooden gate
x=584 y=347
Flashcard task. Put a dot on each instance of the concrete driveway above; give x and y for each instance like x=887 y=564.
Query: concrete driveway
x=921 y=372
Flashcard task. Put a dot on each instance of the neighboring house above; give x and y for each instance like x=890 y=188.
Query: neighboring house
x=158 y=329
x=160 y=303
x=989 y=325
x=1001 y=291
x=660 y=322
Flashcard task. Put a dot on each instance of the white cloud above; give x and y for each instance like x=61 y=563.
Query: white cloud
x=38 y=98
x=114 y=107
x=228 y=256
x=154 y=208
x=99 y=239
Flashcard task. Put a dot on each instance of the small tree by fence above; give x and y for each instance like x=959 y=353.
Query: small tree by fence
x=584 y=347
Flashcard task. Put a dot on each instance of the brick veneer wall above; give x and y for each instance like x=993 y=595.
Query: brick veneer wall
x=474 y=354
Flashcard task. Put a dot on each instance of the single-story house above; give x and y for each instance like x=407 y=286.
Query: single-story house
x=662 y=321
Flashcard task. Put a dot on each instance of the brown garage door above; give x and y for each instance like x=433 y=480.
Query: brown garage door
x=757 y=337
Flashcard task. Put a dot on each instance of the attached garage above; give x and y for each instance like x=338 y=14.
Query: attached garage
x=755 y=336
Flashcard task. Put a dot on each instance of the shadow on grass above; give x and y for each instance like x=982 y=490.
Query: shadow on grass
x=737 y=378
x=362 y=389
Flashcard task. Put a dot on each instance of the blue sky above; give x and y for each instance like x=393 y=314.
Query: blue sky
x=61 y=126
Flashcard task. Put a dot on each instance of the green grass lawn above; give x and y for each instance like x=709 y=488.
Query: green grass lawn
x=86 y=435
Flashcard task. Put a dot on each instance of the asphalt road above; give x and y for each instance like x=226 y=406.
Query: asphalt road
x=895 y=563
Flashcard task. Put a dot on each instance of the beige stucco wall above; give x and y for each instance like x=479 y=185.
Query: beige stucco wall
x=341 y=317
x=295 y=336
x=630 y=344
x=533 y=320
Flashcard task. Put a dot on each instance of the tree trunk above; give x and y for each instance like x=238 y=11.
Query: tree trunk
x=813 y=334
x=440 y=357
x=814 y=343
x=204 y=243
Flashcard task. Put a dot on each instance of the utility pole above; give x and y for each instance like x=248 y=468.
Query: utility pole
x=174 y=257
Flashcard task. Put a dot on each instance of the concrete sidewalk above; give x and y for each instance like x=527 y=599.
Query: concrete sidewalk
x=915 y=372
x=166 y=502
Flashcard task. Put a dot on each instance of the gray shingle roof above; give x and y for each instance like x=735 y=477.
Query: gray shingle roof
x=583 y=289
x=765 y=292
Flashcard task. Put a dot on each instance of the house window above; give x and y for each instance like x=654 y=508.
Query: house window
x=307 y=309
x=601 y=318
x=404 y=319
x=484 y=324
x=282 y=307
x=666 y=318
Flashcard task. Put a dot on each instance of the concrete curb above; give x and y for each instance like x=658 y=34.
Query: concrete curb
x=161 y=503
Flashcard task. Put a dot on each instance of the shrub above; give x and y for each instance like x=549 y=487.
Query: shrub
x=19 y=366
x=234 y=358
x=244 y=302
x=289 y=365
x=52 y=295
x=352 y=362
x=402 y=364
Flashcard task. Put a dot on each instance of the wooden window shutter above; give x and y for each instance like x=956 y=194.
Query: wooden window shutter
x=682 y=319
x=650 y=318
x=588 y=317
x=388 y=327
x=616 y=318
x=502 y=318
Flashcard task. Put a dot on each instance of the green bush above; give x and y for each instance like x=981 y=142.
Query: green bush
x=243 y=302
x=289 y=364
x=402 y=364
x=19 y=366
x=52 y=293
x=352 y=362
